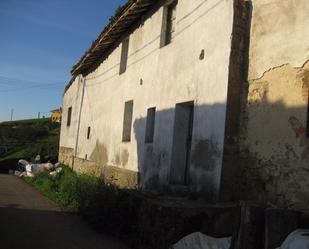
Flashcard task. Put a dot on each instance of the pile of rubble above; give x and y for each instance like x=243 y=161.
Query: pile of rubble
x=29 y=169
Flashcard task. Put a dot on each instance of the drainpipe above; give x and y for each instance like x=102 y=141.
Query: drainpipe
x=83 y=81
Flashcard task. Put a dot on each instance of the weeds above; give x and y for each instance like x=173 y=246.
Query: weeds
x=61 y=189
x=103 y=205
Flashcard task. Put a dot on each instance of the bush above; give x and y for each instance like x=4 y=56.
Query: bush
x=98 y=202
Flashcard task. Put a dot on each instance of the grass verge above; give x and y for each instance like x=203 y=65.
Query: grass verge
x=103 y=205
x=60 y=189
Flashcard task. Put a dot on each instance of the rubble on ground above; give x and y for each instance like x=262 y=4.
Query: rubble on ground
x=29 y=169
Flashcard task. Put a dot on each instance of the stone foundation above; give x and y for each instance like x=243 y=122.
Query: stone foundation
x=82 y=166
x=122 y=178
x=66 y=156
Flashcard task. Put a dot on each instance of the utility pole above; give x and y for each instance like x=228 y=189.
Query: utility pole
x=12 y=112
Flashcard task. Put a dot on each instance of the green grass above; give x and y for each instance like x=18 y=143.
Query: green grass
x=77 y=192
x=103 y=205
x=61 y=189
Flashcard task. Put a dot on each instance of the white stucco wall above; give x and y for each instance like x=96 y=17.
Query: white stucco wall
x=72 y=98
x=170 y=75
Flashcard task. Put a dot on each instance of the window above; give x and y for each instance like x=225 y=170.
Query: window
x=127 y=121
x=69 y=116
x=151 y=115
x=168 y=23
x=124 y=56
x=88 y=132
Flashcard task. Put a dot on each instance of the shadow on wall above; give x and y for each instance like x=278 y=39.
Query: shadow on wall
x=99 y=154
x=271 y=163
x=181 y=149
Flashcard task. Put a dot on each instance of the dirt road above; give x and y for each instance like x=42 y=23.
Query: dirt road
x=30 y=220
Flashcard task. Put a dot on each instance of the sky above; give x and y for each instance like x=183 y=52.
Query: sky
x=40 y=41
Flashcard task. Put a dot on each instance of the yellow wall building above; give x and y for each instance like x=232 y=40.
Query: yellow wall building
x=56 y=115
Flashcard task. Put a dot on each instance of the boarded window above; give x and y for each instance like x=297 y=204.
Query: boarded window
x=151 y=114
x=127 y=121
x=182 y=139
x=88 y=132
x=124 y=55
x=69 y=116
x=168 y=23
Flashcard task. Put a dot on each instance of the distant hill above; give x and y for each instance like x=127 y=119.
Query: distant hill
x=25 y=139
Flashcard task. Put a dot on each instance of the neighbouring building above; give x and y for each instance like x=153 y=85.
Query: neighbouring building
x=205 y=97
x=56 y=115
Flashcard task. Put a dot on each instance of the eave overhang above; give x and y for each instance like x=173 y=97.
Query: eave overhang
x=131 y=13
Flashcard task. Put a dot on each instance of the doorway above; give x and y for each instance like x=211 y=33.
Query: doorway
x=182 y=139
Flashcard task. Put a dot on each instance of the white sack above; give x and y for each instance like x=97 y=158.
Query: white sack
x=37 y=158
x=23 y=174
x=41 y=167
x=17 y=172
x=299 y=239
x=23 y=163
x=53 y=174
x=48 y=166
x=37 y=168
x=58 y=170
x=29 y=168
x=201 y=241
x=29 y=174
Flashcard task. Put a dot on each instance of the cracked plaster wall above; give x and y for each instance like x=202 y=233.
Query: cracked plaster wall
x=274 y=148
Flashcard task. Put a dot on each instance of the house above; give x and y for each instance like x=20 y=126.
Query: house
x=56 y=115
x=195 y=96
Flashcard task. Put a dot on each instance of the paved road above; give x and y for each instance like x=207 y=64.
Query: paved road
x=30 y=220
